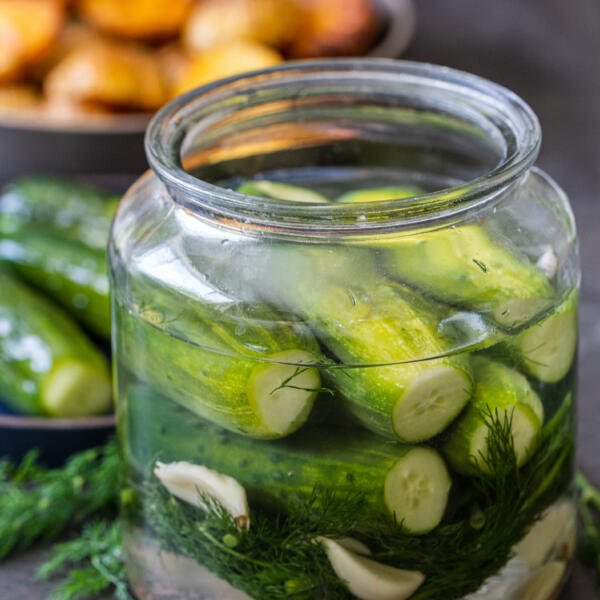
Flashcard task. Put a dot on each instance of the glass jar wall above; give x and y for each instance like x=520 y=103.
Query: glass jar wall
x=345 y=312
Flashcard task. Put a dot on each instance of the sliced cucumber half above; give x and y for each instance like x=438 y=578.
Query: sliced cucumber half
x=432 y=401
x=525 y=427
x=548 y=349
x=282 y=395
x=416 y=489
x=501 y=394
x=282 y=191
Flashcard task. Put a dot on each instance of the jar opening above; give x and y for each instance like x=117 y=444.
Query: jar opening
x=458 y=139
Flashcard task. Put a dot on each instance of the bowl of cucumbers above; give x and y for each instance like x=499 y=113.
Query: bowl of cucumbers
x=55 y=383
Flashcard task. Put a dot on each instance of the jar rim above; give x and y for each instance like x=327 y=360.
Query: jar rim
x=520 y=130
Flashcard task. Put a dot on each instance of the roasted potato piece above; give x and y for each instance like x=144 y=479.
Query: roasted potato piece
x=27 y=30
x=138 y=19
x=115 y=75
x=213 y=22
x=335 y=28
x=173 y=60
x=224 y=60
x=18 y=97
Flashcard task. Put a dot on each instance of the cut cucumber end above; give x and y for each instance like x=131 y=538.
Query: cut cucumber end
x=75 y=389
x=525 y=430
x=282 y=395
x=282 y=191
x=367 y=579
x=432 y=401
x=379 y=194
x=416 y=490
x=548 y=349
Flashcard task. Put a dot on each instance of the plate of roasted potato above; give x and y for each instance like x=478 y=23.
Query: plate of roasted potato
x=103 y=67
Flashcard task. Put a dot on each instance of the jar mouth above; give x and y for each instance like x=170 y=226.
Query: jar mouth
x=489 y=113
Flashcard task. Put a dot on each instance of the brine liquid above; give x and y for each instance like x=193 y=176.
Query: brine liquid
x=160 y=571
x=176 y=391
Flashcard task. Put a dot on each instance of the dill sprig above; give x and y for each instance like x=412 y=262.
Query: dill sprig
x=589 y=510
x=278 y=557
x=90 y=564
x=39 y=504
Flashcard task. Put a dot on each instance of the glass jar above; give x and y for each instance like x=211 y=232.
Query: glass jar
x=345 y=317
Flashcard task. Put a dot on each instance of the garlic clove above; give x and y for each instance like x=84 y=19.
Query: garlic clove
x=190 y=482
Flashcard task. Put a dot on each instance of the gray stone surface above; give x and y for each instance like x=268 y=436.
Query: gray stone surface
x=548 y=51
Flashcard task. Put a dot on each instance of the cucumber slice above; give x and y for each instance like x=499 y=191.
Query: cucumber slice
x=283 y=394
x=380 y=193
x=552 y=533
x=76 y=389
x=367 y=579
x=544 y=584
x=416 y=490
x=431 y=402
x=282 y=191
x=547 y=350
x=190 y=482
x=505 y=393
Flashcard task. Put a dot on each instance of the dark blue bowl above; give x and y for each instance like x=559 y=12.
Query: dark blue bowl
x=55 y=439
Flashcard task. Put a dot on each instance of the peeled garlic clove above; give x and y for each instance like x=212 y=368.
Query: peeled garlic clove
x=367 y=579
x=190 y=482
x=552 y=531
x=544 y=583
x=548 y=263
x=354 y=545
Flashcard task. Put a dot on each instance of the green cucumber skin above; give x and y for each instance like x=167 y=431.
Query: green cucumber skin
x=464 y=266
x=209 y=370
x=497 y=386
x=274 y=473
x=36 y=335
x=72 y=210
x=384 y=324
x=71 y=274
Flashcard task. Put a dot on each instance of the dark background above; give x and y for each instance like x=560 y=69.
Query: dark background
x=548 y=51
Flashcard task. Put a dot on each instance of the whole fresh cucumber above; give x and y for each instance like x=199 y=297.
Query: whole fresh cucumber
x=72 y=274
x=48 y=366
x=250 y=373
x=500 y=393
x=71 y=209
x=410 y=483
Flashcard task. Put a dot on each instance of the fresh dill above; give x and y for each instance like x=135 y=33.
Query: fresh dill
x=39 y=504
x=90 y=564
x=481 y=265
x=279 y=553
x=589 y=510
x=297 y=372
